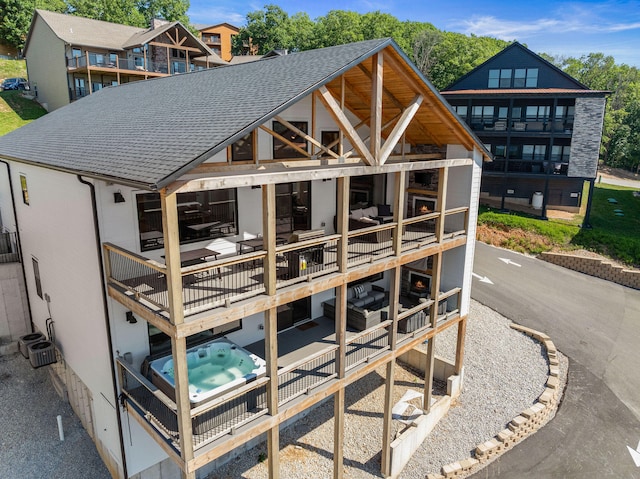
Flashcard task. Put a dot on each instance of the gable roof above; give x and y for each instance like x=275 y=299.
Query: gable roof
x=88 y=32
x=84 y=31
x=217 y=25
x=514 y=48
x=149 y=133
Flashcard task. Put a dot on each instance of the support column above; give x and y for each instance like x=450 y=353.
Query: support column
x=341 y=327
x=376 y=108
x=388 y=406
x=398 y=210
x=271 y=325
x=433 y=315
x=462 y=331
x=443 y=179
x=176 y=316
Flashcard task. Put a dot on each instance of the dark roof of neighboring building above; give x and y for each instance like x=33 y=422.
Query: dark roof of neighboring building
x=523 y=51
x=150 y=133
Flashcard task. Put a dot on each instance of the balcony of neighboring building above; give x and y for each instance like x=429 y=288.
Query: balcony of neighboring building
x=114 y=64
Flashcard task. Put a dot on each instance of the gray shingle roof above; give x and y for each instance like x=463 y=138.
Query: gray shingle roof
x=150 y=132
x=85 y=31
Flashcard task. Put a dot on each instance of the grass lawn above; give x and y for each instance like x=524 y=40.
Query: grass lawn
x=614 y=235
x=16 y=111
x=13 y=68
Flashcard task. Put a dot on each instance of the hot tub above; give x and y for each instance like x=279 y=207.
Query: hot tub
x=214 y=368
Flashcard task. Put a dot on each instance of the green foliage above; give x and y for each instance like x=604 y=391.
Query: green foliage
x=15 y=18
x=13 y=68
x=15 y=15
x=16 y=111
x=612 y=235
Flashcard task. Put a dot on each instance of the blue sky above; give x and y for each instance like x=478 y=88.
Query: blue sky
x=545 y=26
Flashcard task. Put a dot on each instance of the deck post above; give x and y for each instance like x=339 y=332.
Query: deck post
x=433 y=315
x=442 y=201
x=398 y=210
x=176 y=312
x=462 y=331
x=271 y=325
x=387 y=418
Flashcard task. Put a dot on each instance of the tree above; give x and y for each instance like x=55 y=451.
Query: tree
x=15 y=18
x=267 y=28
x=337 y=28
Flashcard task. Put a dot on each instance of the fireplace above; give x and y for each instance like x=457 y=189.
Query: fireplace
x=419 y=285
x=423 y=205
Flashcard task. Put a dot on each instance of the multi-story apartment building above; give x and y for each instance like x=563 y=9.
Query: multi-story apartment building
x=227 y=258
x=542 y=126
x=69 y=57
x=218 y=38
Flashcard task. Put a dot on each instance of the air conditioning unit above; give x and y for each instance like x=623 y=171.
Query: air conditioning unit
x=27 y=339
x=42 y=353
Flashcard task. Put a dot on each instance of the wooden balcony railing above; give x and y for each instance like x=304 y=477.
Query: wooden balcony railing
x=234 y=278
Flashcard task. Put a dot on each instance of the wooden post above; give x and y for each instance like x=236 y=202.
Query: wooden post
x=269 y=236
x=271 y=324
x=387 y=418
x=338 y=434
x=398 y=210
x=442 y=201
x=176 y=315
x=342 y=223
x=462 y=331
x=433 y=316
x=376 y=108
x=88 y=73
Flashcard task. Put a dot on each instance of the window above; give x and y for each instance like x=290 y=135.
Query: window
x=25 y=192
x=518 y=78
x=113 y=59
x=564 y=112
x=36 y=276
x=538 y=113
x=96 y=58
x=534 y=152
x=560 y=153
x=178 y=67
x=516 y=113
x=494 y=78
x=293 y=206
x=76 y=53
x=503 y=113
x=284 y=150
x=80 y=87
x=330 y=139
x=242 y=150
x=461 y=110
x=500 y=151
x=201 y=215
x=176 y=53
x=482 y=114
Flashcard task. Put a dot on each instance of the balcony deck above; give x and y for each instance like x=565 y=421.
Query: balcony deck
x=222 y=282
x=306 y=363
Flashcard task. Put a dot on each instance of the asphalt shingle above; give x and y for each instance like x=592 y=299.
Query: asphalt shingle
x=148 y=132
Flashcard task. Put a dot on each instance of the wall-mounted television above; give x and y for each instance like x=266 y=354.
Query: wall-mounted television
x=422 y=177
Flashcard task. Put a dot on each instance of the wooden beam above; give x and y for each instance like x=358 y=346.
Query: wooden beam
x=376 y=107
x=399 y=129
x=443 y=180
x=343 y=221
x=437 y=108
x=338 y=434
x=307 y=137
x=387 y=424
x=166 y=45
x=269 y=237
x=285 y=140
x=462 y=331
x=343 y=122
x=271 y=357
x=170 y=230
x=398 y=209
x=181 y=380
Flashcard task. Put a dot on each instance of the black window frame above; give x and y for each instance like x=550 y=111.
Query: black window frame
x=24 y=188
x=282 y=150
x=160 y=343
x=242 y=150
x=194 y=208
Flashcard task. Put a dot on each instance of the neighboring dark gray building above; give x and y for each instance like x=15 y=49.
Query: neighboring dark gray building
x=542 y=126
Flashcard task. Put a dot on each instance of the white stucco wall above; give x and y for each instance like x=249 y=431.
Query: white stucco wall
x=56 y=228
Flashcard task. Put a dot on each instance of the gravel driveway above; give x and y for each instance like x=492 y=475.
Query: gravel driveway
x=30 y=446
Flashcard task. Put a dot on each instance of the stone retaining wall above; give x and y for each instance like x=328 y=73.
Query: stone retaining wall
x=595 y=267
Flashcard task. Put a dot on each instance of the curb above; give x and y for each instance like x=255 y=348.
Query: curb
x=521 y=426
